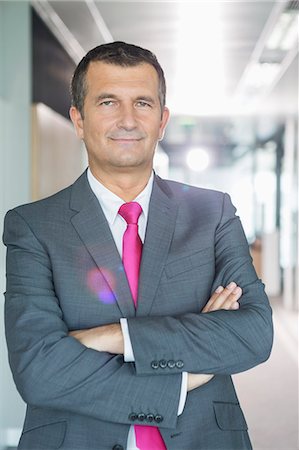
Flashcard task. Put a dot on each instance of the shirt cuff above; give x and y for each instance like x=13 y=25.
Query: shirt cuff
x=128 y=350
x=183 y=395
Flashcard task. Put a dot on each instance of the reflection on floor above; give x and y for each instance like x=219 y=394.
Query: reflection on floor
x=269 y=392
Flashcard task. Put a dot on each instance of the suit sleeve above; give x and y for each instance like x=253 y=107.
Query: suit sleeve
x=53 y=370
x=220 y=342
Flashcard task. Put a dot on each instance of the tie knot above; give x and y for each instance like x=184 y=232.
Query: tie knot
x=130 y=212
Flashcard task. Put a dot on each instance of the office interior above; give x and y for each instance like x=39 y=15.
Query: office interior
x=232 y=77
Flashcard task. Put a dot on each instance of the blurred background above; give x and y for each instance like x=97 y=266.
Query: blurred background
x=232 y=77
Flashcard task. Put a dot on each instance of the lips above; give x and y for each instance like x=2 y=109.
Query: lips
x=126 y=138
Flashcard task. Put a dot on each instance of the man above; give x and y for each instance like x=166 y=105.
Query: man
x=111 y=349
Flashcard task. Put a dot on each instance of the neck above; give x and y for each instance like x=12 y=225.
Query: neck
x=127 y=186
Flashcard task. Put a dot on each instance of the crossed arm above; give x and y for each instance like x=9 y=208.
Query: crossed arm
x=54 y=369
x=109 y=338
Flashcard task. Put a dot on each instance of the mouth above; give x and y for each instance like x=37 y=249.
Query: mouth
x=125 y=139
x=121 y=140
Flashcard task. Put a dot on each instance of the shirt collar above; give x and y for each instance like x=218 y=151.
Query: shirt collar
x=111 y=203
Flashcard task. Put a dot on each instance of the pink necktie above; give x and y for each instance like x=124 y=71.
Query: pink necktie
x=147 y=438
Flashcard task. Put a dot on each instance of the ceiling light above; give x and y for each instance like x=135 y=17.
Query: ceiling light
x=283 y=36
x=200 y=60
x=260 y=75
x=198 y=159
x=278 y=31
x=291 y=37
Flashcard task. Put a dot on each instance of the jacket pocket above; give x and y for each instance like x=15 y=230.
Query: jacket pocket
x=229 y=416
x=43 y=437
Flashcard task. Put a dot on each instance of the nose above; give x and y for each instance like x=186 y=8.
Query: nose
x=127 y=117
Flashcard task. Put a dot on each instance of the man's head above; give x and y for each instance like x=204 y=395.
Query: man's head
x=118 y=109
x=119 y=54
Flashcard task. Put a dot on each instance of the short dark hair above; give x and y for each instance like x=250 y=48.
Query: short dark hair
x=120 y=54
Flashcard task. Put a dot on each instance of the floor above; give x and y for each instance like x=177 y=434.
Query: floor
x=269 y=392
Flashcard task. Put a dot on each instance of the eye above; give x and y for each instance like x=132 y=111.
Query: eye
x=143 y=104
x=107 y=103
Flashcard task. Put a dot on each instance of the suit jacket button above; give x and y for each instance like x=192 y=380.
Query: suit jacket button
x=141 y=417
x=133 y=416
x=155 y=364
x=179 y=364
x=118 y=447
x=149 y=417
x=171 y=364
x=158 y=418
x=163 y=363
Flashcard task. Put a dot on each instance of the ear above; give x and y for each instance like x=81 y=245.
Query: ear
x=77 y=120
x=164 y=122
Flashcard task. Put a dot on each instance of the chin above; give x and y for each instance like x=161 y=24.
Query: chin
x=129 y=162
x=128 y=165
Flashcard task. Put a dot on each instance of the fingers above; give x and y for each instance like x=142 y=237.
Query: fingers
x=224 y=298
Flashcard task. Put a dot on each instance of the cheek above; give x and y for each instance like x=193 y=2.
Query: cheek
x=154 y=130
x=92 y=130
x=80 y=133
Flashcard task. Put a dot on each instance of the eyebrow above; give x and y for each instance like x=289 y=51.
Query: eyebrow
x=146 y=98
x=106 y=95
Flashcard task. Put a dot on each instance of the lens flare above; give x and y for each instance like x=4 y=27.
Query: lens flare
x=101 y=282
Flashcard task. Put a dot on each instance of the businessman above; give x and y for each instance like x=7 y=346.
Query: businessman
x=130 y=299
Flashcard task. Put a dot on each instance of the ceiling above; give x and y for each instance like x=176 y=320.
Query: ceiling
x=213 y=53
x=205 y=47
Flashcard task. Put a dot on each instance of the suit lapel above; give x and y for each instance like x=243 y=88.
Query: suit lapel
x=159 y=232
x=93 y=229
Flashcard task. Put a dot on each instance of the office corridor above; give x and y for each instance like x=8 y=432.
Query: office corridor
x=269 y=392
x=232 y=71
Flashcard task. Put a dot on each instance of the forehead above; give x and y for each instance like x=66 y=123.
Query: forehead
x=101 y=76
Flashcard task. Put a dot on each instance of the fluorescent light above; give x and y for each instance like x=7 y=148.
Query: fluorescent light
x=291 y=37
x=200 y=80
x=278 y=31
x=285 y=32
x=261 y=74
x=198 y=159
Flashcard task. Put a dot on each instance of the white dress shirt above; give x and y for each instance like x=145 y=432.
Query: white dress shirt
x=110 y=204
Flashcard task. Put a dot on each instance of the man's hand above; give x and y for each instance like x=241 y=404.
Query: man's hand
x=223 y=298
x=196 y=380
x=107 y=338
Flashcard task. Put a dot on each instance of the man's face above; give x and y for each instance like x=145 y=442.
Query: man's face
x=122 y=117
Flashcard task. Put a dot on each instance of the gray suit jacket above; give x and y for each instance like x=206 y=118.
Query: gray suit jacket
x=64 y=273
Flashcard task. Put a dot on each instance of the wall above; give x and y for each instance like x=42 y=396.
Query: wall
x=57 y=158
x=52 y=69
x=15 y=100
